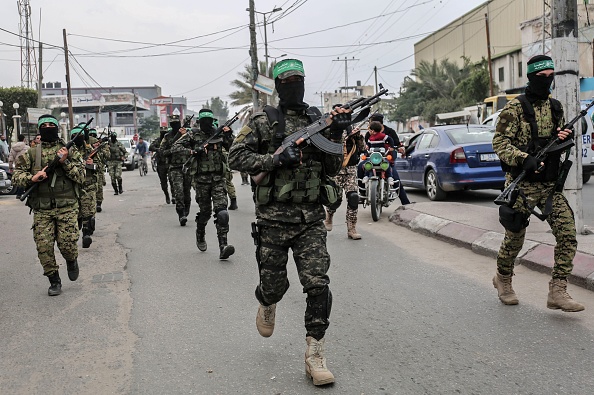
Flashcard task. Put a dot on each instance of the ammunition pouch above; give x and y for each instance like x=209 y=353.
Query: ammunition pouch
x=330 y=192
x=513 y=220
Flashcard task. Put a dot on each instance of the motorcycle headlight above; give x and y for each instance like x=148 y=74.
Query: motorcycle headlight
x=384 y=166
x=368 y=166
x=376 y=158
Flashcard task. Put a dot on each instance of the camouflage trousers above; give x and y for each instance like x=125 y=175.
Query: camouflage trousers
x=100 y=183
x=88 y=201
x=209 y=196
x=114 y=167
x=181 y=188
x=229 y=181
x=308 y=243
x=560 y=220
x=346 y=179
x=162 y=173
x=59 y=226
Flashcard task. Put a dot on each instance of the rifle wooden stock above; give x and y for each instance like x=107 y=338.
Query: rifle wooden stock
x=50 y=168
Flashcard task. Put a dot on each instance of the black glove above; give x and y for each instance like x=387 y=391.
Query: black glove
x=197 y=151
x=340 y=121
x=290 y=157
x=530 y=164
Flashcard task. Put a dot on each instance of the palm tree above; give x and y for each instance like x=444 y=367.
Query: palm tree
x=243 y=95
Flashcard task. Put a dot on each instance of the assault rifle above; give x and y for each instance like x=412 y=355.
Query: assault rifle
x=188 y=122
x=311 y=133
x=54 y=163
x=507 y=197
x=203 y=145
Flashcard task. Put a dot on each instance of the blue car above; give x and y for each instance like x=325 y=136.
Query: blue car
x=449 y=158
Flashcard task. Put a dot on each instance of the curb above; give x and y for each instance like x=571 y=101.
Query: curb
x=534 y=255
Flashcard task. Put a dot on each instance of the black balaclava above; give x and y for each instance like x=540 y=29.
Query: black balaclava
x=49 y=134
x=175 y=125
x=290 y=94
x=539 y=87
x=206 y=122
x=79 y=140
x=113 y=138
x=162 y=132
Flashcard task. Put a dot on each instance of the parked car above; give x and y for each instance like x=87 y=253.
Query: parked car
x=6 y=187
x=131 y=161
x=492 y=119
x=449 y=158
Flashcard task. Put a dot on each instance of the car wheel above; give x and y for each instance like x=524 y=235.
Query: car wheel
x=585 y=178
x=9 y=191
x=130 y=167
x=434 y=191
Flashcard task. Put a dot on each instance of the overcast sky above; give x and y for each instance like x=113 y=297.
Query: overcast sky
x=194 y=48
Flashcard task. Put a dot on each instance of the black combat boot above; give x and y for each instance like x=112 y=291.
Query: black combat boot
x=92 y=225
x=172 y=199
x=167 y=199
x=120 y=190
x=72 y=267
x=233 y=205
x=115 y=188
x=181 y=214
x=226 y=249
x=244 y=180
x=86 y=239
x=99 y=209
x=55 y=284
x=200 y=237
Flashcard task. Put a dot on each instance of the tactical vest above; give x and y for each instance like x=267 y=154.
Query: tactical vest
x=57 y=192
x=213 y=161
x=178 y=158
x=90 y=169
x=299 y=185
x=553 y=159
x=115 y=152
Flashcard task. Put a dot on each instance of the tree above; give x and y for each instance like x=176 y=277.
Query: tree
x=243 y=95
x=441 y=87
x=24 y=96
x=219 y=108
x=149 y=127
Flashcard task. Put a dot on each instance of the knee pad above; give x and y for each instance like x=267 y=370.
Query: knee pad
x=319 y=306
x=334 y=206
x=353 y=200
x=222 y=217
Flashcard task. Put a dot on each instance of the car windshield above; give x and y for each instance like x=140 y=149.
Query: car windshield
x=125 y=143
x=471 y=135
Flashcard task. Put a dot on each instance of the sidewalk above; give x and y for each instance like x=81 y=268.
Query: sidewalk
x=478 y=228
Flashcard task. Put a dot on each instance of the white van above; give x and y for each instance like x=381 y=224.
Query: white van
x=587 y=145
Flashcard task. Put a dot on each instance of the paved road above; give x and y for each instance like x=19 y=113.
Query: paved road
x=152 y=315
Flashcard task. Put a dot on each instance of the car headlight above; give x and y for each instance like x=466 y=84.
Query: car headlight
x=376 y=158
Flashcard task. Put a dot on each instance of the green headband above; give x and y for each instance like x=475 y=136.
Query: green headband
x=539 y=66
x=205 y=114
x=43 y=120
x=76 y=129
x=288 y=65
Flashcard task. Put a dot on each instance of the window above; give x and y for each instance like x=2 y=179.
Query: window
x=519 y=69
x=425 y=141
x=501 y=74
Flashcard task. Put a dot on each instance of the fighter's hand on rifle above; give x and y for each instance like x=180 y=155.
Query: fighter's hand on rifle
x=530 y=164
x=89 y=161
x=40 y=175
x=226 y=129
x=563 y=134
x=62 y=154
x=290 y=157
x=341 y=119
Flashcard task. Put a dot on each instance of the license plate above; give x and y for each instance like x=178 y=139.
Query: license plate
x=489 y=157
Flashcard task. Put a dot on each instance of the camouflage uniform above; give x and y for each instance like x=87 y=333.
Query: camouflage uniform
x=513 y=131
x=210 y=182
x=55 y=217
x=177 y=152
x=99 y=159
x=161 y=166
x=346 y=179
x=289 y=220
x=117 y=151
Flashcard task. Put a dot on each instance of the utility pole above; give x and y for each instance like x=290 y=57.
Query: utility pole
x=135 y=113
x=68 y=87
x=254 y=56
x=491 y=93
x=565 y=48
x=346 y=72
x=265 y=41
x=39 y=82
x=375 y=74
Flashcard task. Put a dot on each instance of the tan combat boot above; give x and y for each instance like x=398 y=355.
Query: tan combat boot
x=560 y=299
x=315 y=362
x=504 y=288
x=351 y=223
x=265 y=320
x=328 y=220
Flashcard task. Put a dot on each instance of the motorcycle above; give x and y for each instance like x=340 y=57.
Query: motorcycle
x=376 y=191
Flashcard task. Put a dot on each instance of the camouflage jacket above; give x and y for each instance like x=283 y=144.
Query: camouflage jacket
x=513 y=131
x=116 y=151
x=250 y=153
x=25 y=169
x=180 y=150
x=212 y=163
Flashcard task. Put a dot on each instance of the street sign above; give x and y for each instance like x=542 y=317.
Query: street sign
x=264 y=85
x=35 y=113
